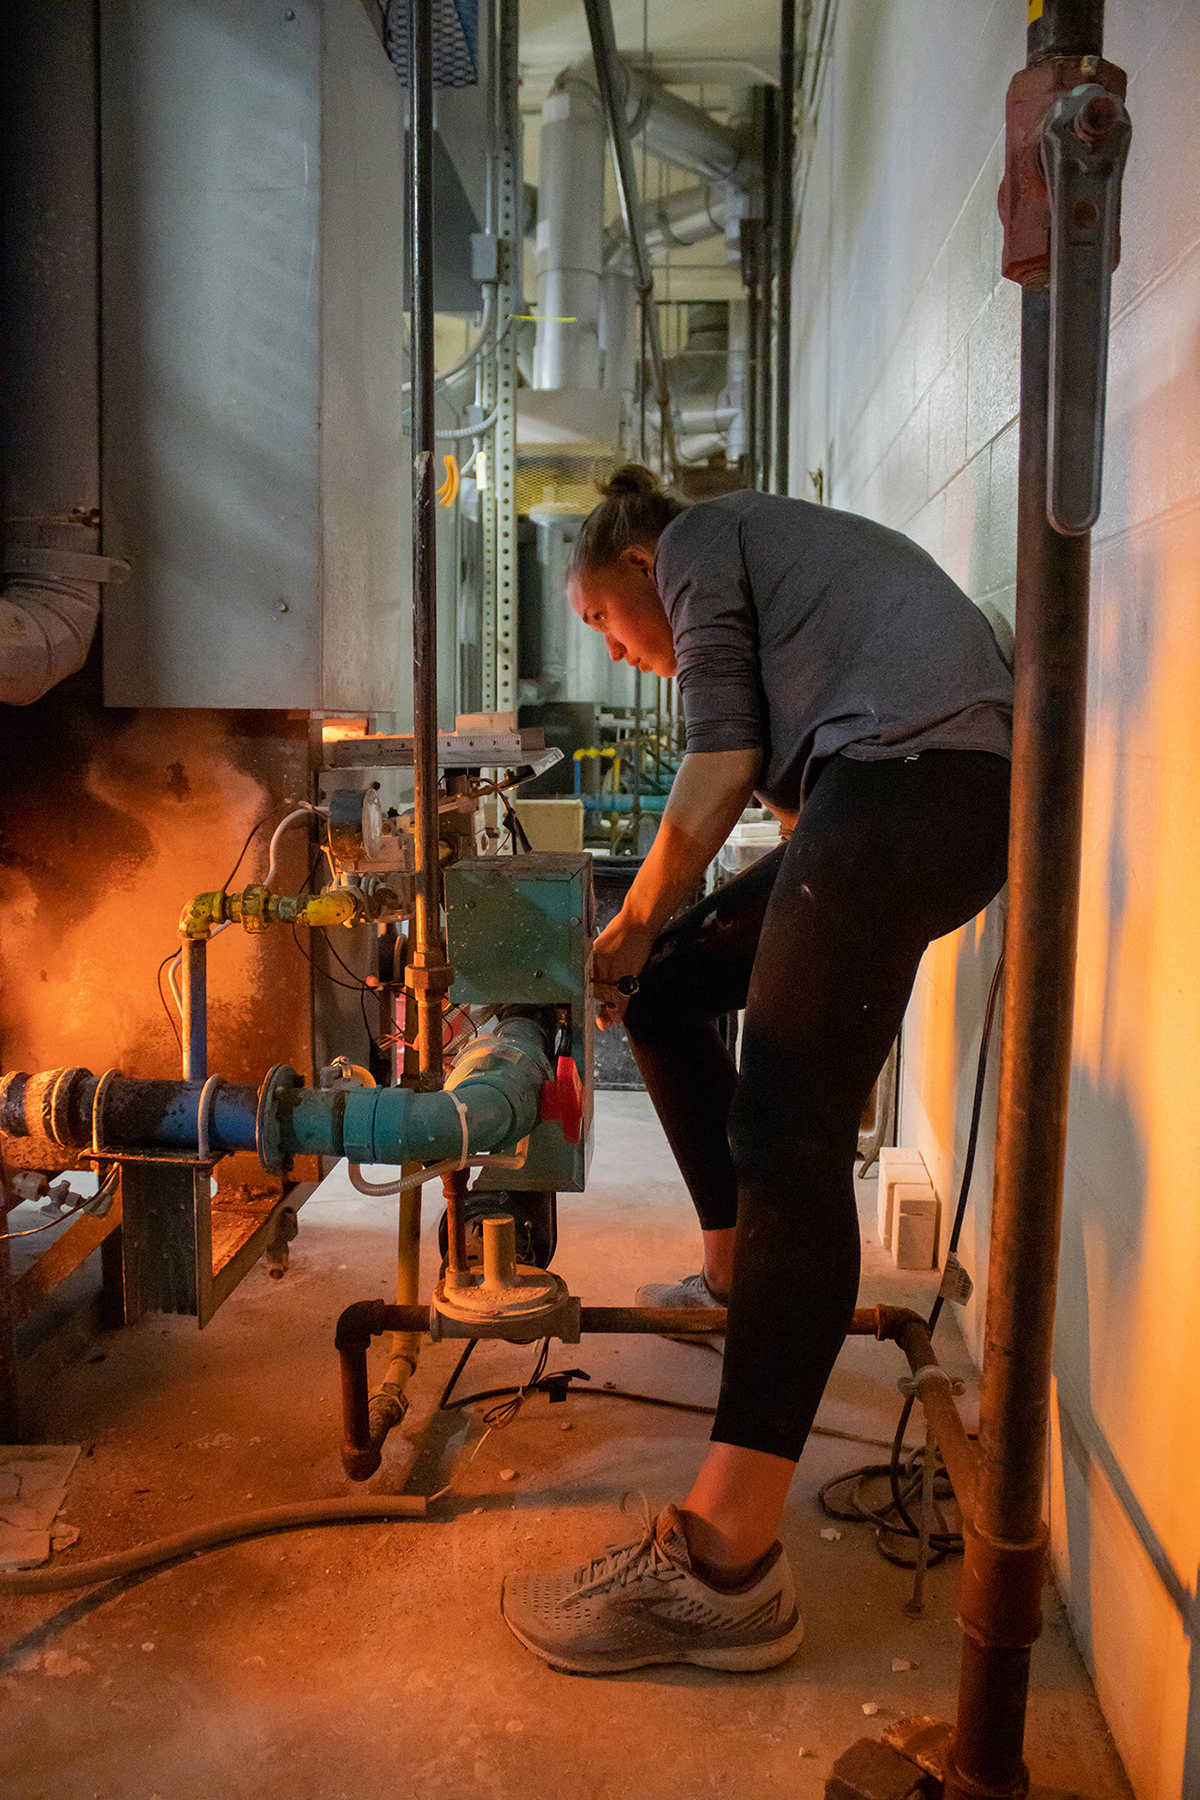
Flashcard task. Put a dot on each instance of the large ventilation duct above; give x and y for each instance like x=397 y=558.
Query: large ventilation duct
x=688 y=216
x=569 y=236
x=675 y=131
x=618 y=329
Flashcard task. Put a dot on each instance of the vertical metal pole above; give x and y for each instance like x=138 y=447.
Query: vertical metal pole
x=785 y=156
x=751 y=275
x=1005 y=1540
x=427 y=967
x=509 y=293
x=766 y=306
x=193 y=990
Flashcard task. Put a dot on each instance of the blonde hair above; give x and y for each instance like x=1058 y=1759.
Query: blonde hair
x=636 y=509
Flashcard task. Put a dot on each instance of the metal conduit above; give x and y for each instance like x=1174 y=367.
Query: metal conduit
x=428 y=975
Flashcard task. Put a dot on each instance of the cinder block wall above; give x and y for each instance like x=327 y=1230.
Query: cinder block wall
x=905 y=403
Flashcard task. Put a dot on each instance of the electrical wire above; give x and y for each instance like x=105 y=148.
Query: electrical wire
x=558 y=1383
x=84 y=1205
x=172 y=957
x=254 y=830
x=516 y=829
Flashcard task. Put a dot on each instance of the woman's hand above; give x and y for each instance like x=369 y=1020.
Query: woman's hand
x=621 y=950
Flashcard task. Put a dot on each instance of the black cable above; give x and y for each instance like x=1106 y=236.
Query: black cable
x=254 y=830
x=356 y=988
x=973 y=1135
x=516 y=828
x=459 y=1366
x=166 y=961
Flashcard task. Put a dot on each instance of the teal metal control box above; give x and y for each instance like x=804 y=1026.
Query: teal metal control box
x=519 y=932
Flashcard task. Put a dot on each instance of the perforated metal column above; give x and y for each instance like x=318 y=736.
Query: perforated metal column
x=499 y=513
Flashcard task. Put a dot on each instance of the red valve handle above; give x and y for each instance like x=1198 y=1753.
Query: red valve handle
x=562 y=1099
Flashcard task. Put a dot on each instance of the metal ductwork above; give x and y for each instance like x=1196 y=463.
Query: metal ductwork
x=572 y=244
x=675 y=131
x=687 y=217
x=570 y=235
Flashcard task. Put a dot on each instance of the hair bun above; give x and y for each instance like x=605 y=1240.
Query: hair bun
x=633 y=478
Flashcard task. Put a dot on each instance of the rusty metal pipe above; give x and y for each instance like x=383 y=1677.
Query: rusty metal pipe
x=427 y=974
x=1005 y=1539
x=934 y=1390
x=366 y=1319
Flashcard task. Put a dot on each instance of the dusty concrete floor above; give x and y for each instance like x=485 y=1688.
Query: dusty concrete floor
x=369 y=1662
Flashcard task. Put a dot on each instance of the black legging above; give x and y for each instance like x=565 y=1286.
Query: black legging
x=820 y=942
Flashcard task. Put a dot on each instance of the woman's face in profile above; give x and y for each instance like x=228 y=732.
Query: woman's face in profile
x=621 y=601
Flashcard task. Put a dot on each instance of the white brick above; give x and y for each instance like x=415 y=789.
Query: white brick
x=914 y=1226
x=896 y=1165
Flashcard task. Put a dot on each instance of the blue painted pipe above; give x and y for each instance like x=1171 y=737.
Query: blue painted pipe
x=497 y=1080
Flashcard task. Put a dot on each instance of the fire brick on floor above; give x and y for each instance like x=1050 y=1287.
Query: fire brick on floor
x=369 y=1661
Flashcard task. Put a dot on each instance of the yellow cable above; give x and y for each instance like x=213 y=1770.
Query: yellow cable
x=448 y=492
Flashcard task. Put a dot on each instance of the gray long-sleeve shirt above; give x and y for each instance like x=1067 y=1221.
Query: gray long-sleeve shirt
x=804 y=632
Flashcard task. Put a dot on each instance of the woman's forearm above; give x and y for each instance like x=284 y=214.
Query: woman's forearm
x=707 y=798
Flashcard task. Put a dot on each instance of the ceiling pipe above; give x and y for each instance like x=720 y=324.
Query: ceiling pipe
x=676 y=132
x=609 y=72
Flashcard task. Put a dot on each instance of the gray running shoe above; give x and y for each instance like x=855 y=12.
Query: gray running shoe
x=643 y=1603
x=693 y=1290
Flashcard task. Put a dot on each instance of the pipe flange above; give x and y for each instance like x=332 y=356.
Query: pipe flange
x=558 y=1315
x=267 y=1135
x=57 y=1098
x=98 y=1099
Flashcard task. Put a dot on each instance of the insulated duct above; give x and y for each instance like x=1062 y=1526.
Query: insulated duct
x=573 y=247
x=687 y=217
x=675 y=131
x=46 y=628
x=569 y=236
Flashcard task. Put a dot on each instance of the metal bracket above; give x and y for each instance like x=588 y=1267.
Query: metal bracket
x=62 y=565
x=932 y=1372
x=1085 y=140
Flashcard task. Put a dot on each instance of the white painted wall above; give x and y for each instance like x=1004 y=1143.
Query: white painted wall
x=906 y=359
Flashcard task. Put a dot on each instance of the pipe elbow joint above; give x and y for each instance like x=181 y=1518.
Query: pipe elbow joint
x=358 y=1324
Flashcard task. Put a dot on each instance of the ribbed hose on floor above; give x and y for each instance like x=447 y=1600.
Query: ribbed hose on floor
x=211 y=1537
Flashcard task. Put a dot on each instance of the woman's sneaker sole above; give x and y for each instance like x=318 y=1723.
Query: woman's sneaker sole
x=748 y=1659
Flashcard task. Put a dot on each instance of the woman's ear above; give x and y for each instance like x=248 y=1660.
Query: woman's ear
x=641 y=558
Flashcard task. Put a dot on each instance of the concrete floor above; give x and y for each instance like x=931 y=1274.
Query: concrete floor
x=369 y=1662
